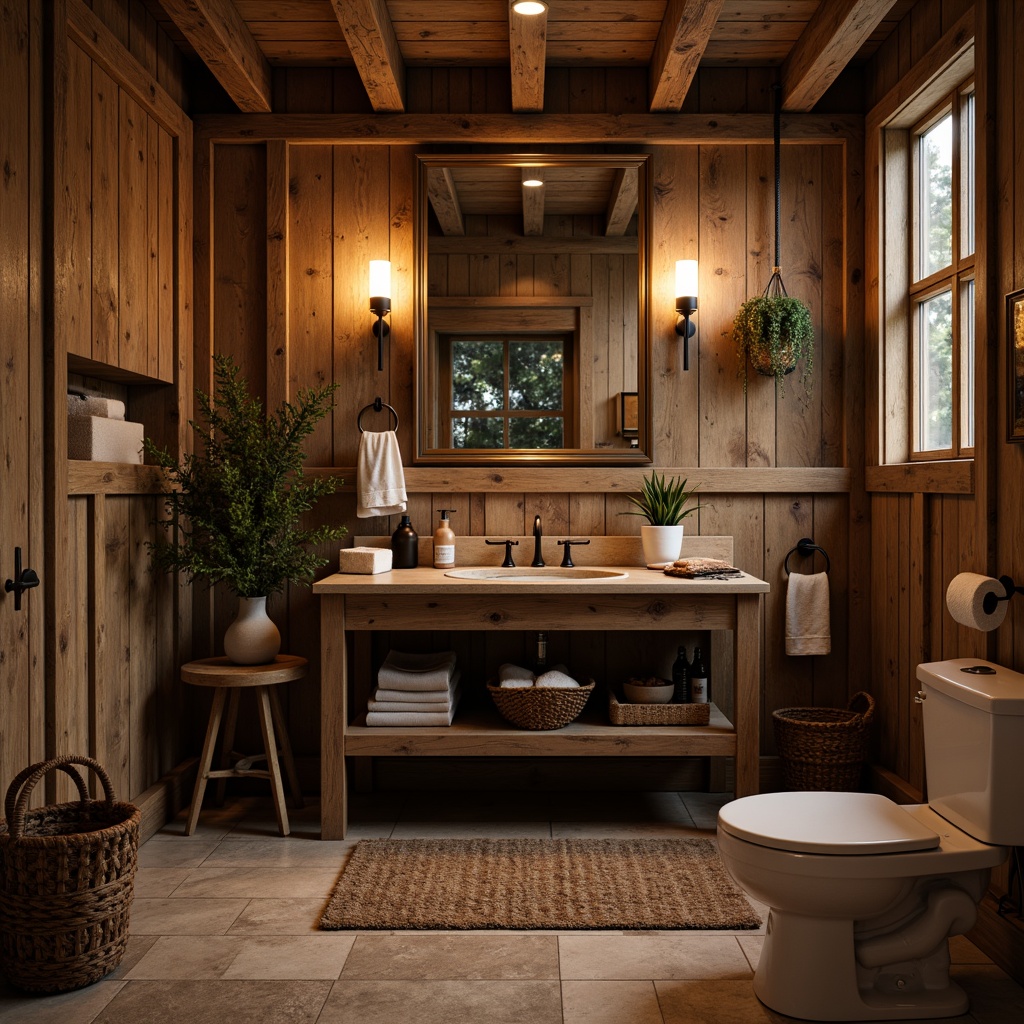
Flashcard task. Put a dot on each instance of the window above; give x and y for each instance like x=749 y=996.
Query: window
x=941 y=292
x=508 y=391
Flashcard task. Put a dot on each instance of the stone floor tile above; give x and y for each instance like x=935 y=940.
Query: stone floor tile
x=995 y=998
x=503 y=956
x=257 y=883
x=183 y=853
x=188 y=957
x=138 y=946
x=291 y=957
x=472 y=830
x=751 y=946
x=619 y=807
x=963 y=951
x=644 y=957
x=710 y=1002
x=443 y=1002
x=223 y=1001
x=175 y=916
x=503 y=807
x=279 y=917
x=703 y=807
x=78 y=1007
x=155 y=883
x=610 y=1002
x=622 y=830
x=295 y=853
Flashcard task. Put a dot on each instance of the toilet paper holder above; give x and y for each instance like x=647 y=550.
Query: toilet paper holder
x=990 y=601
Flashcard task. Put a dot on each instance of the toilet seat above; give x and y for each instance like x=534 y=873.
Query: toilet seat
x=836 y=824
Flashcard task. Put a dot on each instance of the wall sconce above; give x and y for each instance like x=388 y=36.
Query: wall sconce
x=380 y=303
x=686 y=304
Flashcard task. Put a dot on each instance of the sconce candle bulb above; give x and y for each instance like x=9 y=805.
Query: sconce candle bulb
x=686 y=304
x=380 y=303
x=530 y=8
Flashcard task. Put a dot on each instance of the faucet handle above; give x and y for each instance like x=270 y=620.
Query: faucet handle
x=509 y=545
x=567 y=562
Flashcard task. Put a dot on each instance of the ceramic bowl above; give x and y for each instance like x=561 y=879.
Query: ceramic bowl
x=648 y=694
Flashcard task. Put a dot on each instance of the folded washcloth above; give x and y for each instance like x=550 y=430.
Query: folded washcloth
x=433 y=697
x=807 y=614
x=380 y=481
x=93 y=405
x=507 y=672
x=557 y=680
x=427 y=701
x=432 y=671
x=417 y=718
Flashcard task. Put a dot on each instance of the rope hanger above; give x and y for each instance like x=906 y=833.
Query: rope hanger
x=775 y=288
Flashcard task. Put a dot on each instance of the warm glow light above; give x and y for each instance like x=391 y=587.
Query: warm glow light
x=532 y=182
x=529 y=7
x=686 y=278
x=380 y=279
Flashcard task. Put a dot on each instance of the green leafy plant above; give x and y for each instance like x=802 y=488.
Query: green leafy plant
x=775 y=332
x=661 y=503
x=233 y=515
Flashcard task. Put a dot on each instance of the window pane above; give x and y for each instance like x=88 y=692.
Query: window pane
x=478 y=376
x=478 y=432
x=935 y=213
x=535 y=432
x=535 y=372
x=935 y=372
x=967 y=362
x=967 y=176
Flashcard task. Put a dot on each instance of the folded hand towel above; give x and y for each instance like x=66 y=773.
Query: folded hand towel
x=508 y=672
x=432 y=671
x=807 y=614
x=432 y=701
x=556 y=680
x=414 y=718
x=93 y=405
x=380 y=481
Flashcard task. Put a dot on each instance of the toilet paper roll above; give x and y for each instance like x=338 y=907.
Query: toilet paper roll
x=965 y=596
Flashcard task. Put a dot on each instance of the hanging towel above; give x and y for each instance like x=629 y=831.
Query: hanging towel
x=380 y=481
x=807 y=615
x=401 y=671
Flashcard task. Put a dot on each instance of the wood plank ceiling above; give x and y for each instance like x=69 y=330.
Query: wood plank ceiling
x=810 y=41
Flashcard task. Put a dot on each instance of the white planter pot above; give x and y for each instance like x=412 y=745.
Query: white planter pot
x=252 y=639
x=661 y=543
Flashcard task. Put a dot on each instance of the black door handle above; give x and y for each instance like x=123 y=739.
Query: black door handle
x=24 y=579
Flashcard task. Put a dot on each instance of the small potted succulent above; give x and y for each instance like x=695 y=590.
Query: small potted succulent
x=775 y=332
x=664 y=505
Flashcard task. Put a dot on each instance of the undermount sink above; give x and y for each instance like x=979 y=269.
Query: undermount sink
x=545 y=574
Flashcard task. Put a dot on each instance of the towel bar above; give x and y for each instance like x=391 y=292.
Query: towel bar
x=806 y=547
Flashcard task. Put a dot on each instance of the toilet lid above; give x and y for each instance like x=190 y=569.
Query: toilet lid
x=849 y=824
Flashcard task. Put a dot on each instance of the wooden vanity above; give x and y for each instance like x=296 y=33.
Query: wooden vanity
x=427 y=599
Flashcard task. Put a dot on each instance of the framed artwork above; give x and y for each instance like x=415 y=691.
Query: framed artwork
x=1015 y=364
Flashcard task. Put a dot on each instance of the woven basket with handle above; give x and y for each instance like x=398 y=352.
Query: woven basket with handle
x=66 y=882
x=824 y=748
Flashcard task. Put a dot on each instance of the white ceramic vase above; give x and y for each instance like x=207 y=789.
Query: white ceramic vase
x=252 y=639
x=661 y=543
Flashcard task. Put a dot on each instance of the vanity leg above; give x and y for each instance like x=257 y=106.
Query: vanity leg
x=746 y=693
x=333 y=713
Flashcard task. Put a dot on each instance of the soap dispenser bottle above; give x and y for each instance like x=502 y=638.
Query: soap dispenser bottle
x=444 y=541
x=405 y=546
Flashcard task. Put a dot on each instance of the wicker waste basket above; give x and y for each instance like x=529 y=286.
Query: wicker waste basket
x=824 y=748
x=66 y=879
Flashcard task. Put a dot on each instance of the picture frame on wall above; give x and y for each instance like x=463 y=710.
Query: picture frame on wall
x=1015 y=365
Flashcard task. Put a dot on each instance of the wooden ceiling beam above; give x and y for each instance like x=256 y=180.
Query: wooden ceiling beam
x=222 y=39
x=835 y=33
x=445 y=200
x=533 y=201
x=622 y=201
x=370 y=35
x=682 y=39
x=528 y=46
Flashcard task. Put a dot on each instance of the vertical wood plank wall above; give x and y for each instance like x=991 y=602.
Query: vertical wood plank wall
x=349 y=203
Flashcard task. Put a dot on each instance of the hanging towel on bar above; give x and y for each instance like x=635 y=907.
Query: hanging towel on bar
x=807 y=614
x=380 y=481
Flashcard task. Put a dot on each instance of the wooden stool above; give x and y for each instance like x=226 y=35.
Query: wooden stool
x=229 y=677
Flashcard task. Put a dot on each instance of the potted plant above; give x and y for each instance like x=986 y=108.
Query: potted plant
x=664 y=506
x=234 y=511
x=775 y=332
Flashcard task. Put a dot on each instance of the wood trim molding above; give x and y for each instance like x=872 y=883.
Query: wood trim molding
x=953 y=476
x=835 y=33
x=533 y=245
x=622 y=203
x=222 y=39
x=1000 y=937
x=528 y=47
x=682 y=39
x=367 y=27
x=445 y=200
x=115 y=478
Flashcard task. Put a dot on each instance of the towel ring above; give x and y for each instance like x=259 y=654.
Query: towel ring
x=806 y=547
x=376 y=405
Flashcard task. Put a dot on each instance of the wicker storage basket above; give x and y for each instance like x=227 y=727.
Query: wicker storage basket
x=540 y=707
x=623 y=713
x=824 y=748
x=66 y=877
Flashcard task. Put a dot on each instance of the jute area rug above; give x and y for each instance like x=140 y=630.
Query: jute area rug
x=536 y=883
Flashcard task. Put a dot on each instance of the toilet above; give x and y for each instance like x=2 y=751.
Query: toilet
x=863 y=892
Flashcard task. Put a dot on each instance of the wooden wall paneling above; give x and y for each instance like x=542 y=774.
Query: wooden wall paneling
x=599 y=370
x=925 y=27
x=142 y=36
x=143 y=647
x=901 y=582
x=105 y=269
x=151 y=237
x=115 y=15
x=504 y=514
x=131 y=237
x=917 y=646
x=675 y=226
x=587 y=515
x=894 y=425
x=278 y=274
x=833 y=682
x=401 y=248
x=888 y=710
x=79 y=186
x=553 y=510
x=169 y=276
x=723 y=438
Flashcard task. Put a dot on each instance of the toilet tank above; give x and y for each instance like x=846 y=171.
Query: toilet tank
x=973 y=714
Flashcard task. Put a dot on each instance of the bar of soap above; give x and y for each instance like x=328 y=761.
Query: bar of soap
x=364 y=560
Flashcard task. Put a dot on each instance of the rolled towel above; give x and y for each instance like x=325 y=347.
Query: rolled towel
x=93 y=405
x=508 y=672
x=516 y=684
x=418 y=672
x=556 y=680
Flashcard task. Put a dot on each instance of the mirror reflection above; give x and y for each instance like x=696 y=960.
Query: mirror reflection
x=531 y=312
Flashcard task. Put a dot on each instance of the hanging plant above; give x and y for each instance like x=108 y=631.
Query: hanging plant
x=774 y=331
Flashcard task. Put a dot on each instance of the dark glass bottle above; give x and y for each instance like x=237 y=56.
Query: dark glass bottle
x=681 y=678
x=540 y=664
x=405 y=546
x=700 y=684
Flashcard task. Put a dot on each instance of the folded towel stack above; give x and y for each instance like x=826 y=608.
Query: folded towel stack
x=415 y=689
x=514 y=677
x=98 y=431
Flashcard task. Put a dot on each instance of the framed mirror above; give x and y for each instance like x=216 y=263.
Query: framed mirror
x=531 y=309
